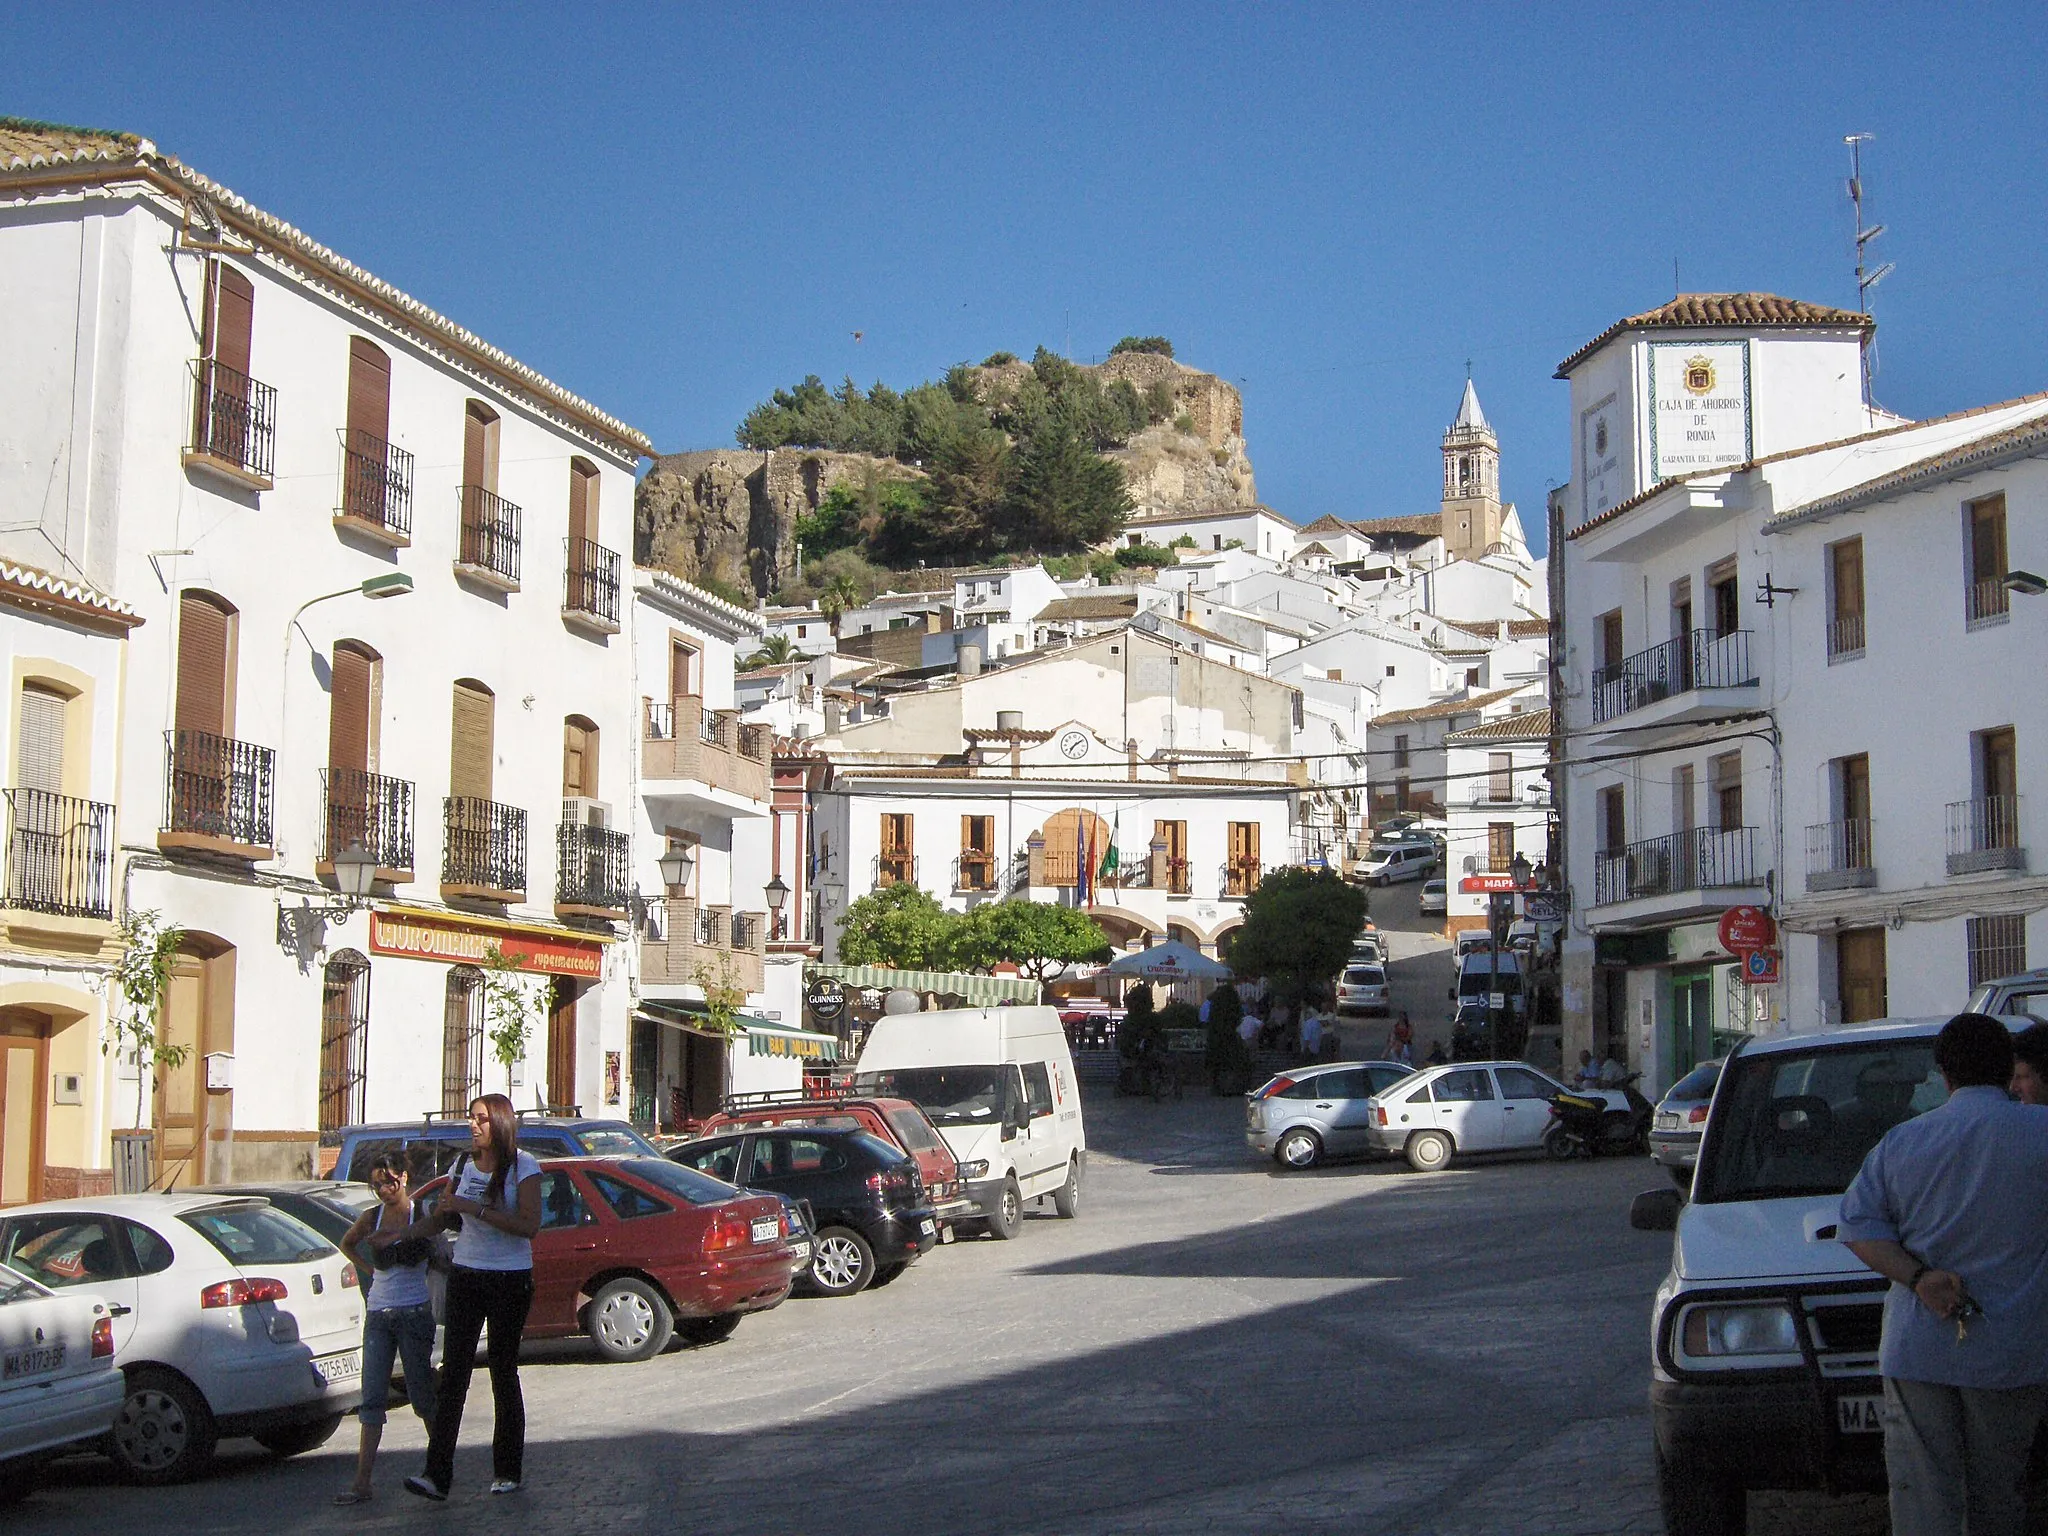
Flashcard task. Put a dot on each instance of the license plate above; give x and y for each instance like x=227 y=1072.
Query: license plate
x=928 y=1227
x=1667 y=1122
x=802 y=1250
x=36 y=1360
x=338 y=1368
x=767 y=1229
x=1858 y=1415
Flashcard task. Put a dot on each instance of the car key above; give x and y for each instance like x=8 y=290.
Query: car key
x=1968 y=1310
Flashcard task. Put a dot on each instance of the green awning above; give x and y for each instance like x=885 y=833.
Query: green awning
x=779 y=1040
x=979 y=991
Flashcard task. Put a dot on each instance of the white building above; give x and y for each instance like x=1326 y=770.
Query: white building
x=1496 y=801
x=1786 y=641
x=246 y=439
x=1257 y=530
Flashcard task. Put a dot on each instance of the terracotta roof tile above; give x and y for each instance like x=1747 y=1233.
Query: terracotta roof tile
x=33 y=588
x=1530 y=725
x=1120 y=607
x=1445 y=710
x=1704 y=311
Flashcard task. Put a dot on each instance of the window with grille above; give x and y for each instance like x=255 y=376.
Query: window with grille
x=462 y=1039
x=344 y=1040
x=1998 y=947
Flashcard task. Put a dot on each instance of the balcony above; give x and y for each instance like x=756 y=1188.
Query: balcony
x=488 y=553
x=234 y=426
x=892 y=866
x=590 y=587
x=1676 y=867
x=705 y=946
x=1693 y=676
x=376 y=490
x=593 y=871
x=1986 y=602
x=217 y=796
x=1845 y=638
x=1838 y=856
x=369 y=811
x=974 y=872
x=1984 y=835
x=483 y=850
x=1239 y=877
x=60 y=854
x=683 y=744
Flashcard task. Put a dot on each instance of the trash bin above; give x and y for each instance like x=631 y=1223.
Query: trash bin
x=134 y=1161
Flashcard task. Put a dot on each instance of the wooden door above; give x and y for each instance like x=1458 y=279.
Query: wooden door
x=470 y=742
x=1859 y=972
x=562 y=1041
x=221 y=426
x=682 y=671
x=228 y=325
x=480 y=446
x=1074 y=841
x=181 y=1107
x=24 y=1061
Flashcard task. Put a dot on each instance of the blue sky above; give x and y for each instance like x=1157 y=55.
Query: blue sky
x=674 y=210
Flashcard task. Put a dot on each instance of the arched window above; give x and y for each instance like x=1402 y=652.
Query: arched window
x=1073 y=840
x=462 y=1039
x=344 y=1040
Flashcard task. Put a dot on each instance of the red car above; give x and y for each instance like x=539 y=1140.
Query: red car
x=897 y=1121
x=633 y=1250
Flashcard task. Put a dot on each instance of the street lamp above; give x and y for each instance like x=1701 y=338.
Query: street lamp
x=777 y=892
x=355 y=876
x=676 y=866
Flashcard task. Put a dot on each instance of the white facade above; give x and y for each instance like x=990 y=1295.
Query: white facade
x=1496 y=801
x=1257 y=530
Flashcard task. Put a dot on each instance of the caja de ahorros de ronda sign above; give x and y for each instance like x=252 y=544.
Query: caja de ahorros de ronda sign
x=1699 y=406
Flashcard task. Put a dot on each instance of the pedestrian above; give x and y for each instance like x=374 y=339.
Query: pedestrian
x=1952 y=1207
x=1311 y=1033
x=2030 y=1064
x=1589 y=1072
x=495 y=1210
x=398 y=1321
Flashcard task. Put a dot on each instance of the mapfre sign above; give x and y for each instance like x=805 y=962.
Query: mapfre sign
x=421 y=937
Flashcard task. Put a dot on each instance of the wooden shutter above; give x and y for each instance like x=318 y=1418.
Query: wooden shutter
x=681 y=668
x=1848 y=563
x=1500 y=773
x=562 y=1042
x=369 y=394
x=203 y=627
x=582 y=507
x=1856 y=788
x=348 y=710
x=39 y=754
x=1860 y=974
x=470 y=746
x=229 y=319
x=579 y=758
x=479 y=446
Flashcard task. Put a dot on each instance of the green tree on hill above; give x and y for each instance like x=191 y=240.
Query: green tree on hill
x=1158 y=344
x=1064 y=497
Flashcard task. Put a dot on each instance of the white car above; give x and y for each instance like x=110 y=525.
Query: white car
x=1463 y=1107
x=58 y=1385
x=1362 y=989
x=229 y=1318
x=1398 y=861
x=1435 y=900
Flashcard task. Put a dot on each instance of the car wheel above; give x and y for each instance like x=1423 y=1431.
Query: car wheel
x=885 y=1273
x=1299 y=1148
x=841 y=1262
x=164 y=1432
x=1067 y=1198
x=707 y=1330
x=1696 y=1503
x=297 y=1439
x=1429 y=1151
x=629 y=1320
x=1008 y=1217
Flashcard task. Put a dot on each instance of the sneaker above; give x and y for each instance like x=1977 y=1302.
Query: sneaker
x=425 y=1488
x=505 y=1485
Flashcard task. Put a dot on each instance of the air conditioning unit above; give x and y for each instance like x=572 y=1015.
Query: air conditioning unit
x=580 y=811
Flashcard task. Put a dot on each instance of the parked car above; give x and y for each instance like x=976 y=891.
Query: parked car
x=1435 y=899
x=633 y=1251
x=447 y=1137
x=1463 y=1108
x=1362 y=989
x=2024 y=996
x=1368 y=949
x=1764 y=1335
x=58 y=1385
x=896 y=1121
x=1680 y=1120
x=1302 y=1117
x=330 y=1207
x=1393 y=862
x=1483 y=971
x=230 y=1318
x=866 y=1199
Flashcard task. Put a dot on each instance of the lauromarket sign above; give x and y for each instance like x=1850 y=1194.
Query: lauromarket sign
x=422 y=936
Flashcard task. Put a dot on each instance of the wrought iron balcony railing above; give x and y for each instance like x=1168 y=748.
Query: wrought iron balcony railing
x=1701 y=659
x=60 y=854
x=490 y=535
x=1838 y=855
x=1704 y=858
x=234 y=419
x=1986 y=601
x=218 y=790
x=483 y=849
x=376 y=485
x=371 y=811
x=593 y=868
x=1845 y=637
x=590 y=581
x=894 y=867
x=1240 y=877
x=974 y=872
x=1984 y=834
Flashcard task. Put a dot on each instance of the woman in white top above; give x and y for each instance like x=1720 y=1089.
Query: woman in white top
x=399 y=1320
x=494 y=1208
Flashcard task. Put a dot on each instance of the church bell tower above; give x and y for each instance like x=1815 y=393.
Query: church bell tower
x=1471 y=507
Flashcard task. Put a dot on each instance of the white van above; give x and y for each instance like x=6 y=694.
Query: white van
x=999 y=1084
x=1389 y=862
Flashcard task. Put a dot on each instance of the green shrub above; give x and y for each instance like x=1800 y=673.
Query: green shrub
x=1154 y=344
x=998 y=359
x=1184 y=424
x=1145 y=554
x=1185 y=541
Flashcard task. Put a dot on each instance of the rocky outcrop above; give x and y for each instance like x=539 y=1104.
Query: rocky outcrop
x=1172 y=471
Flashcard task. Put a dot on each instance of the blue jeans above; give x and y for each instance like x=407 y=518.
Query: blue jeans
x=405 y=1333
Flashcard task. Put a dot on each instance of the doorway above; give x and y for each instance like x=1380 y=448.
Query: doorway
x=199 y=1015
x=1692 y=1020
x=24 y=1064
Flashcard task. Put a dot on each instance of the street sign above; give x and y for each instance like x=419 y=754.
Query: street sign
x=825 y=998
x=1747 y=928
x=1760 y=967
x=1544 y=909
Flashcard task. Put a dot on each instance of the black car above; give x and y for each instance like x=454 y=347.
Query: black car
x=870 y=1217
x=328 y=1206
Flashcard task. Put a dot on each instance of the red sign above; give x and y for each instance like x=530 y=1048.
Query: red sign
x=1482 y=885
x=1746 y=928
x=431 y=937
x=1760 y=967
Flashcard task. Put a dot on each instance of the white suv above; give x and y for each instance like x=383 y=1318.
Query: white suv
x=230 y=1318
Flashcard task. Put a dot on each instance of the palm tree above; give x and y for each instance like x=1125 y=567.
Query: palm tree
x=840 y=594
x=775 y=650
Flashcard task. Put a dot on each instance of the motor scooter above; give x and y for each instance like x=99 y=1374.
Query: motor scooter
x=1585 y=1122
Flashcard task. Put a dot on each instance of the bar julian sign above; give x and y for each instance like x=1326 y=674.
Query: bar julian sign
x=432 y=937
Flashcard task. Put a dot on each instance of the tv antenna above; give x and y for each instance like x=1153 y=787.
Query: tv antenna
x=1867 y=276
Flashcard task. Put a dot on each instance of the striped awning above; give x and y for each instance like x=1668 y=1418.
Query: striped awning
x=980 y=991
x=778 y=1040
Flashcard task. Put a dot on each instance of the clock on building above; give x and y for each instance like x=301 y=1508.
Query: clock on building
x=1074 y=745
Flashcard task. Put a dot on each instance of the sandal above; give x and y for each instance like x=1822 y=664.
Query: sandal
x=350 y=1496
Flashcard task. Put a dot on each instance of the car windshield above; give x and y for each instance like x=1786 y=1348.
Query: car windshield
x=697 y=1188
x=949 y=1095
x=614 y=1141
x=257 y=1234
x=1698 y=1083
x=1799 y=1123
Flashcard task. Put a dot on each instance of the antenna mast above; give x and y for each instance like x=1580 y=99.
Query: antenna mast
x=1867 y=277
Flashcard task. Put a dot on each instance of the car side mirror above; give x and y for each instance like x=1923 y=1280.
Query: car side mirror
x=1009 y=1128
x=1655 y=1210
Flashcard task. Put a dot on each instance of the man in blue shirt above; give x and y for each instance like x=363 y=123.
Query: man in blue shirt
x=1952 y=1208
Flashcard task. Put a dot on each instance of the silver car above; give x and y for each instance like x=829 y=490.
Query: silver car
x=1680 y=1121
x=1362 y=989
x=1301 y=1117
